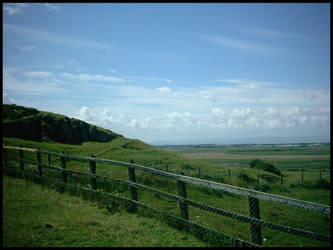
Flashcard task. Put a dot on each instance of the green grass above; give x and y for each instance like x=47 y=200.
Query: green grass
x=301 y=149
x=237 y=158
x=123 y=149
x=35 y=216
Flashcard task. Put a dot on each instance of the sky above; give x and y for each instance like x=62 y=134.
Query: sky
x=173 y=71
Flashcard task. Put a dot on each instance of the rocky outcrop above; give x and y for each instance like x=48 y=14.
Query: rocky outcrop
x=28 y=129
x=30 y=124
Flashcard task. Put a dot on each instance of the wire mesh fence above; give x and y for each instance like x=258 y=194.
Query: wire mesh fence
x=289 y=177
x=219 y=213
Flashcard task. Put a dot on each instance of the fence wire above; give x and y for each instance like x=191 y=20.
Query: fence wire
x=221 y=217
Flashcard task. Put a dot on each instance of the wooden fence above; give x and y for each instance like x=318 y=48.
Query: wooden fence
x=254 y=220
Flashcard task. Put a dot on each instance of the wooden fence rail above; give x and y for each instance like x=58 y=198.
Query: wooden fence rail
x=253 y=196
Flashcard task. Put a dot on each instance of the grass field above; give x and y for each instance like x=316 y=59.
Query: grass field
x=315 y=159
x=34 y=216
x=143 y=154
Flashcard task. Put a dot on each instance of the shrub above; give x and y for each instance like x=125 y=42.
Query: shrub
x=245 y=178
x=317 y=184
x=322 y=184
x=187 y=166
x=264 y=166
x=269 y=178
x=254 y=163
x=262 y=187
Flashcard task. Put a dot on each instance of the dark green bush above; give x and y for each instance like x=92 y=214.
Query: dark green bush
x=187 y=166
x=263 y=187
x=259 y=164
x=322 y=184
x=245 y=178
x=317 y=184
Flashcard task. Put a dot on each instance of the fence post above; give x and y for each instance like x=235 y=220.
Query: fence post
x=166 y=166
x=229 y=174
x=49 y=159
x=182 y=193
x=199 y=171
x=92 y=165
x=258 y=176
x=302 y=174
x=255 y=213
x=281 y=177
x=39 y=161
x=5 y=156
x=63 y=165
x=233 y=242
x=20 y=155
x=133 y=190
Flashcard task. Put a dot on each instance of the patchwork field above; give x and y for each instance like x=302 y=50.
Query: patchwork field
x=222 y=156
x=300 y=164
x=283 y=156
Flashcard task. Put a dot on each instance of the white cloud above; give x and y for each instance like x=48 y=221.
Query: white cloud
x=218 y=112
x=25 y=48
x=38 y=74
x=164 y=89
x=270 y=33
x=90 y=77
x=292 y=111
x=111 y=117
x=33 y=82
x=150 y=79
x=247 y=82
x=41 y=35
x=249 y=91
x=133 y=124
x=52 y=6
x=244 y=105
x=71 y=61
x=86 y=114
x=219 y=121
x=14 y=8
x=240 y=44
x=6 y=99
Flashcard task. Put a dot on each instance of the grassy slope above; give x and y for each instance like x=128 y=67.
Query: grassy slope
x=35 y=216
x=123 y=149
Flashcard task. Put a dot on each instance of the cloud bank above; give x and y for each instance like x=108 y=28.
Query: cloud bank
x=231 y=107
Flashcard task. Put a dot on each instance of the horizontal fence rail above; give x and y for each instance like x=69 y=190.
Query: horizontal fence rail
x=253 y=195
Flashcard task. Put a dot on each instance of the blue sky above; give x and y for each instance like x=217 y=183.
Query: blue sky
x=173 y=71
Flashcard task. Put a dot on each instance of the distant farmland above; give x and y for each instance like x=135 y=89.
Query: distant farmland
x=222 y=156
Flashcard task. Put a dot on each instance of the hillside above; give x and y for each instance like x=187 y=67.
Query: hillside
x=54 y=132
x=32 y=124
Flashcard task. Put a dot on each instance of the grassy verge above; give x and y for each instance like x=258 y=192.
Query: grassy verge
x=35 y=216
